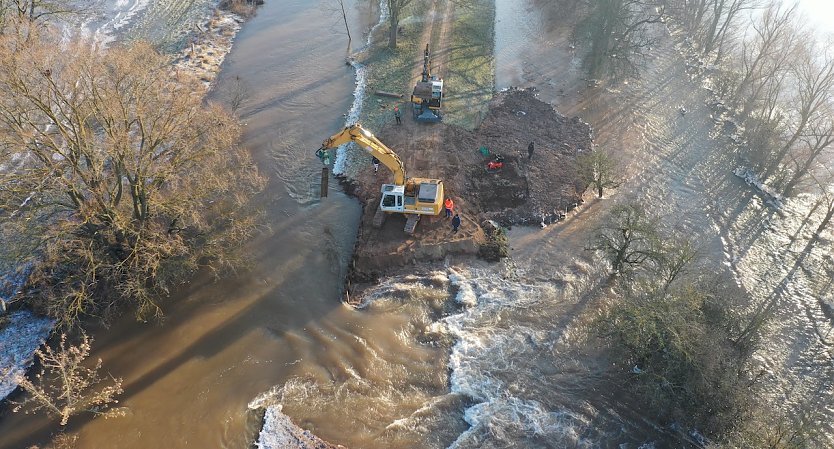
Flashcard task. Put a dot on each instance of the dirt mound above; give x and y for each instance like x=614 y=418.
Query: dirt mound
x=526 y=190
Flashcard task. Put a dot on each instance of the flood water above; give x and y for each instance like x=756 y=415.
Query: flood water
x=188 y=380
x=679 y=167
x=477 y=357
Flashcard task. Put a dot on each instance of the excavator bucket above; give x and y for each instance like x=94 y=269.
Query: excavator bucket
x=429 y=115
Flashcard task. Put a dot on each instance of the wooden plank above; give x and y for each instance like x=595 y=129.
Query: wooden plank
x=383 y=93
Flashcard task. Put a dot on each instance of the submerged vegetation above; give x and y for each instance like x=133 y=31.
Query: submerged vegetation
x=65 y=386
x=123 y=182
x=682 y=342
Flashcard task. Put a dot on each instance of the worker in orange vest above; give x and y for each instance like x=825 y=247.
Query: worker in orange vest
x=449 y=205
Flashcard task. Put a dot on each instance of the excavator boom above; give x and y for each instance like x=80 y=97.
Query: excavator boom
x=426 y=65
x=369 y=142
x=413 y=197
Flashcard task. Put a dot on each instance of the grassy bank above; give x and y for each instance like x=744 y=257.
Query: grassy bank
x=469 y=72
x=470 y=77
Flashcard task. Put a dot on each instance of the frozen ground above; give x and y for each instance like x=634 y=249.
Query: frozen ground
x=18 y=341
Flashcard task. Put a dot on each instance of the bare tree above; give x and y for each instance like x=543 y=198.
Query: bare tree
x=765 y=54
x=617 y=35
x=627 y=239
x=338 y=7
x=64 y=386
x=395 y=9
x=36 y=10
x=763 y=125
x=691 y=13
x=597 y=169
x=825 y=188
x=674 y=258
x=132 y=181
x=721 y=20
x=813 y=145
x=235 y=93
x=814 y=76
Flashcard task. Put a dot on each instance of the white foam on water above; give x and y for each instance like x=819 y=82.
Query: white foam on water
x=492 y=358
x=466 y=295
x=340 y=162
x=505 y=419
x=487 y=349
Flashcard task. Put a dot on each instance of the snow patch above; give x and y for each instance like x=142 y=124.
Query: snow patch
x=751 y=178
x=19 y=339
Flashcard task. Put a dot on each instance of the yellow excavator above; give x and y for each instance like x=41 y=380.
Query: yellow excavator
x=413 y=197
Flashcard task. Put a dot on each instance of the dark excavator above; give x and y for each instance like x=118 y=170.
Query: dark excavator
x=428 y=93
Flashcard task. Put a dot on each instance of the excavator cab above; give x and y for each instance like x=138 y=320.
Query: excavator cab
x=392 y=198
x=422 y=197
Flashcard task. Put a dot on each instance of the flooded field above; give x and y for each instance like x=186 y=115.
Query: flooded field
x=475 y=356
x=681 y=169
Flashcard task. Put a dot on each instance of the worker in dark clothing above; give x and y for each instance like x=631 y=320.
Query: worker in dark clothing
x=530 y=149
x=375 y=161
x=397 y=115
x=456 y=223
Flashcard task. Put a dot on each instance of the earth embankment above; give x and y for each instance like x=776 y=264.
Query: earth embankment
x=535 y=189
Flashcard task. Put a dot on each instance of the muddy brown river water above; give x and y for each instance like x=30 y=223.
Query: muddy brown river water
x=461 y=357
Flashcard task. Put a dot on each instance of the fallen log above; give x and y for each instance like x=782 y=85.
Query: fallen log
x=382 y=93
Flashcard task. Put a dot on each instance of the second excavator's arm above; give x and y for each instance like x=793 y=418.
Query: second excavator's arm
x=369 y=142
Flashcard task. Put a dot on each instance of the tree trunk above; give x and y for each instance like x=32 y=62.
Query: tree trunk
x=825 y=221
x=394 y=21
x=344 y=17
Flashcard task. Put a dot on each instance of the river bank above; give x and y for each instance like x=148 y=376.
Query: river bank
x=463 y=354
x=199 y=42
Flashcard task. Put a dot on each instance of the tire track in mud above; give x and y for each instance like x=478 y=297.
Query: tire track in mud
x=436 y=35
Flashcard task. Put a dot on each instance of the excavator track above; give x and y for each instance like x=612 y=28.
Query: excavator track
x=411 y=223
x=379 y=218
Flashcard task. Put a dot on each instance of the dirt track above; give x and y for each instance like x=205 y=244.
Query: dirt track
x=537 y=190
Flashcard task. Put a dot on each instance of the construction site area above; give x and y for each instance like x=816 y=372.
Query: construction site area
x=490 y=174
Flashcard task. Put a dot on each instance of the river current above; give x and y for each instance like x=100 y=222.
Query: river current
x=462 y=356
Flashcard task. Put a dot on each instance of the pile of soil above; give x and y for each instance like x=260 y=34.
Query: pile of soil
x=534 y=190
x=529 y=189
